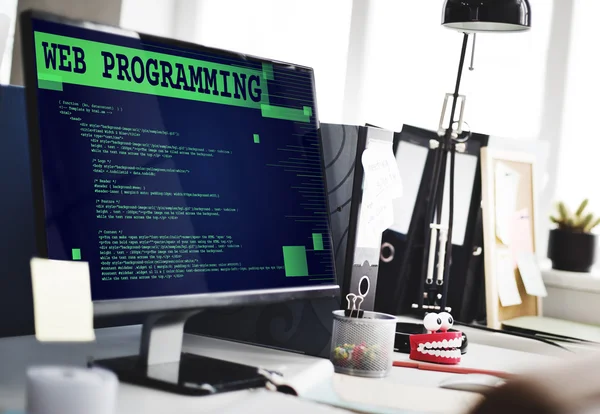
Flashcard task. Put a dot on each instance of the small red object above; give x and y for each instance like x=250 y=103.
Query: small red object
x=437 y=345
x=441 y=348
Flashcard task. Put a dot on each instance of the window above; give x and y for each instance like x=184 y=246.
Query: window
x=578 y=166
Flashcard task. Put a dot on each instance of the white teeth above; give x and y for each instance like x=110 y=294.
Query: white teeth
x=453 y=353
x=440 y=348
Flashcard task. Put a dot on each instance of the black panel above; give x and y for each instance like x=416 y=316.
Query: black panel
x=400 y=283
x=339 y=152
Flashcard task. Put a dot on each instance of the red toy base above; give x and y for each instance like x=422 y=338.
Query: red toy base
x=441 y=348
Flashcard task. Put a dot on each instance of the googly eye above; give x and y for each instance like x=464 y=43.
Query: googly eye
x=447 y=321
x=432 y=322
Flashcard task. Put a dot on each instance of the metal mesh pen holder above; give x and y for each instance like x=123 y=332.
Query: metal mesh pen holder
x=363 y=346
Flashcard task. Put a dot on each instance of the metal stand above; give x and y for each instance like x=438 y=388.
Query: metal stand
x=162 y=365
x=438 y=235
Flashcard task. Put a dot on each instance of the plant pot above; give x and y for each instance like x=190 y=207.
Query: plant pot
x=571 y=251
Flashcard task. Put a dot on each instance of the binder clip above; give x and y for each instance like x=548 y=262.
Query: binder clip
x=354 y=301
x=353 y=310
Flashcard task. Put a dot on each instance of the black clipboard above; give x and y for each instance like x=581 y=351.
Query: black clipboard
x=401 y=286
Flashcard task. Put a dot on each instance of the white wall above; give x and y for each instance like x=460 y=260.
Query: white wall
x=7 y=8
x=156 y=19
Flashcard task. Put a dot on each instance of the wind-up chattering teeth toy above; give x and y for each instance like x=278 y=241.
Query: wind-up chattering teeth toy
x=437 y=345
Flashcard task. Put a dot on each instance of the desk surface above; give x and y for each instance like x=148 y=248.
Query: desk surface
x=16 y=354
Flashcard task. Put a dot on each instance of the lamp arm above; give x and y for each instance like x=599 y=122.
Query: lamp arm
x=436 y=196
x=450 y=149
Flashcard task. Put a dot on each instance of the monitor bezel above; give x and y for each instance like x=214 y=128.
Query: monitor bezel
x=153 y=303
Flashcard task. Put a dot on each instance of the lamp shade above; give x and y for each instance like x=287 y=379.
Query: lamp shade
x=487 y=15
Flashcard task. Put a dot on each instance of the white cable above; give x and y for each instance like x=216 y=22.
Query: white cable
x=442 y=255
x=431 y=262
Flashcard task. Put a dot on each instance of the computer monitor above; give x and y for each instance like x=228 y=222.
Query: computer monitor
x=187 y=177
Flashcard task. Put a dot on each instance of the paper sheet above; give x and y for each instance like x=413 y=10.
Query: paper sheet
x=506 y=190
x=375 y=217
x=531 y=274
x=381 y=169
x=318 y=371
x=263 y=401
x=410 y=159
x=508 y=291
x=62 y=301
x=521 y=234
x=397 y=397
x=381 y=185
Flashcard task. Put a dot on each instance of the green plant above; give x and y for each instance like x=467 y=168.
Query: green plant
x=579 y=222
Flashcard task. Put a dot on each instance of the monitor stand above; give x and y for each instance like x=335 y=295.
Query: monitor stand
x=162 y=365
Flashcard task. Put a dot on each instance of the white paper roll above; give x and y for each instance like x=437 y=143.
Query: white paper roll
x=70 y=390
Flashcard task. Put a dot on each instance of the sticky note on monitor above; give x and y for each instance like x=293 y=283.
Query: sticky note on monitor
x=62 y=301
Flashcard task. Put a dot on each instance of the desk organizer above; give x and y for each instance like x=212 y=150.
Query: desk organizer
x=363 y=346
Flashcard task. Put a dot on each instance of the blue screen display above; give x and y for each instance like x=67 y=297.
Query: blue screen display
x=178 y=170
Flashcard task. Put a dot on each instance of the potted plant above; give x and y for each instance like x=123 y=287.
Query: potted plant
x=571 y=245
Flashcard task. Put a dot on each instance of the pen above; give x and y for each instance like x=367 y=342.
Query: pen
x=454 y=369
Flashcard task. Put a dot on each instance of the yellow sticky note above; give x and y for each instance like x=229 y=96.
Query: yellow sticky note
x=62 y=301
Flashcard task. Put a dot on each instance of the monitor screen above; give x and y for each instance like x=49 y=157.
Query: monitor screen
x=175 y=169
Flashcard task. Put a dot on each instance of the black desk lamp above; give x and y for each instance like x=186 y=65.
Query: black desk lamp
x=468 y=17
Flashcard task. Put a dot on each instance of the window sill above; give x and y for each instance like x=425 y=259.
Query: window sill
x=572 y=296
x=583 y=282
